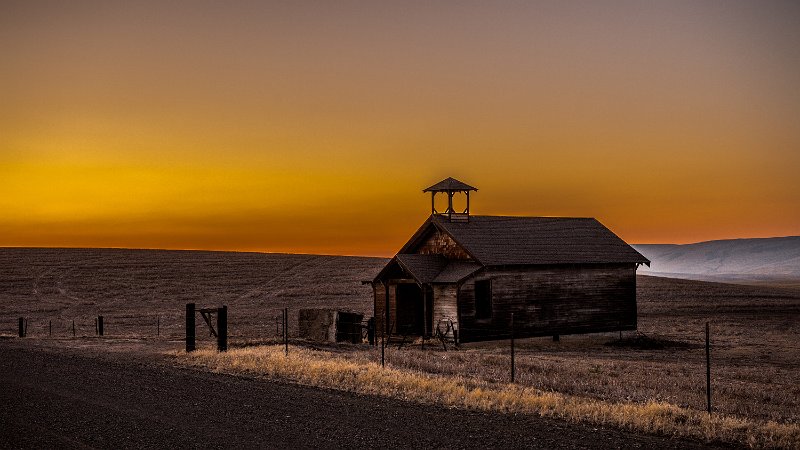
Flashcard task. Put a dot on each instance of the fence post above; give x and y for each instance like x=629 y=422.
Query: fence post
x=708 y=369
x=190 y=327
x=21 y=327
x=383 y=346
x=371 y=331
x=100 y=325
x=222 y=329
x=513 y=368
x=286 y=331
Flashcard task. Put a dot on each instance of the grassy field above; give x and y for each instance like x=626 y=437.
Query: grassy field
x=755 y=329
x=135 y=289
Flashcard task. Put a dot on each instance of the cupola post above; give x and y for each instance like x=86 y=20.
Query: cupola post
x=450 y=186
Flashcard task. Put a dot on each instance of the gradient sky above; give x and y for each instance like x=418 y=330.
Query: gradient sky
x=313 y=126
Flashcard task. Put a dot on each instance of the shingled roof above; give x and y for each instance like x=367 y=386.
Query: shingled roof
x=510 y=241
x=504 y=240
x=450 y=184
x=456 y=271
x=434 y=269
x=424 y=268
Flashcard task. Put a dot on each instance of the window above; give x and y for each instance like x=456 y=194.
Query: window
x=483 y=299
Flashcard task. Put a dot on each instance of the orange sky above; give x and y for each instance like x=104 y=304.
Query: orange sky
x=314 y=126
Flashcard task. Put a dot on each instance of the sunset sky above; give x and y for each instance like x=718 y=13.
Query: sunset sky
x=312 y=127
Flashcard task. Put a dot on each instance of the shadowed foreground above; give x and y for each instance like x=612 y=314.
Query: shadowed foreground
x=68 y=400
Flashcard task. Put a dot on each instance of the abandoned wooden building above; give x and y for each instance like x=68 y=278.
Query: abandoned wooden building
x=463 y=276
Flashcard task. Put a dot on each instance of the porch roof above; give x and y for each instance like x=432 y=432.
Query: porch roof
x=424 y=268
x=431 y=269
x=456 y=271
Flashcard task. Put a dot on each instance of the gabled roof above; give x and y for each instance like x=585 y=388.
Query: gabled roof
x=424 y=268
x=504 y=240
x=430 y=269
x=456 y=271
x=510 y=241
x=450 y=184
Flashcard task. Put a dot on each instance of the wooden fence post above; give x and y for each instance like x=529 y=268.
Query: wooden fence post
x=286 y=331
x=708 y=369
x=190 y=344
x=222 y=329
x=513 y=368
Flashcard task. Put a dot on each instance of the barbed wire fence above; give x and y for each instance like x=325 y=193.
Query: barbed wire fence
x=276 y=327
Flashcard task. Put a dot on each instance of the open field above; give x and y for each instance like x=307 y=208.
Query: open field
x=755 y=330
x=131 y=288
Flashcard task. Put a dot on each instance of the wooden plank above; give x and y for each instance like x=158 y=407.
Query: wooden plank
x=206 y=314
x=552 y=300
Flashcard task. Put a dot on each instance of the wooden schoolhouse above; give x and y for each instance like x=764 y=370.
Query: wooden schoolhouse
x=466 y=277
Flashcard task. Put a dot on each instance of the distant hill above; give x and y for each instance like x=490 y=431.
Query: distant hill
x=769 y=260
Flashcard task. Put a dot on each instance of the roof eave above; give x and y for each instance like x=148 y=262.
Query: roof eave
x=379 y=276
x=409 y=271
x=417 y=235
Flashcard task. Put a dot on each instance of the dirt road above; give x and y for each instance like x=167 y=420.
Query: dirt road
x=66 y=399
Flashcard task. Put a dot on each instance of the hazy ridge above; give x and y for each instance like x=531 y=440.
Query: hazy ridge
x=759 y=259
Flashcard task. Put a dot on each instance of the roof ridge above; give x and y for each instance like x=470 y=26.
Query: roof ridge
x=509 y=240
x=521 y=217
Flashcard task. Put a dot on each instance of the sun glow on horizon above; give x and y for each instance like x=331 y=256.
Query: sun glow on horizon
x=312 y=127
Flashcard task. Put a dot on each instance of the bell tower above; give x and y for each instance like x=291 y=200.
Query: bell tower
x=450 y=186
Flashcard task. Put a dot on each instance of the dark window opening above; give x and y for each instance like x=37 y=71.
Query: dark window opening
x=409 y=309
x=483 y=299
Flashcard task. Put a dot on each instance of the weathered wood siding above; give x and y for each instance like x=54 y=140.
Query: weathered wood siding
x=552 y=300
x=392 y=308
x=445 y=306
x=439 y=243
x=380 y=307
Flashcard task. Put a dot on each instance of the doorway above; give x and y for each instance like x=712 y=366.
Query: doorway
x=412 y=307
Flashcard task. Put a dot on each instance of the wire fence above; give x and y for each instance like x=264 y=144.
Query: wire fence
x=270 y=324
x=280 y=327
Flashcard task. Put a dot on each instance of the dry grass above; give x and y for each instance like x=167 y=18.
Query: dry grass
x=356 y=373
x=131 y=288
x=755 y=331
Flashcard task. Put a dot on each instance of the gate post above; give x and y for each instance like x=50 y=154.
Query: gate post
x=222 y=329
x=190 y=327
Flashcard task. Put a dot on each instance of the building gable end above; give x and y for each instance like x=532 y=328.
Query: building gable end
x=437 y=242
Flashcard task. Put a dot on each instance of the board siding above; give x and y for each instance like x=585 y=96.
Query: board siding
x=380 y=306
x=551 y=300
x=445 y=307
x=392 y=308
